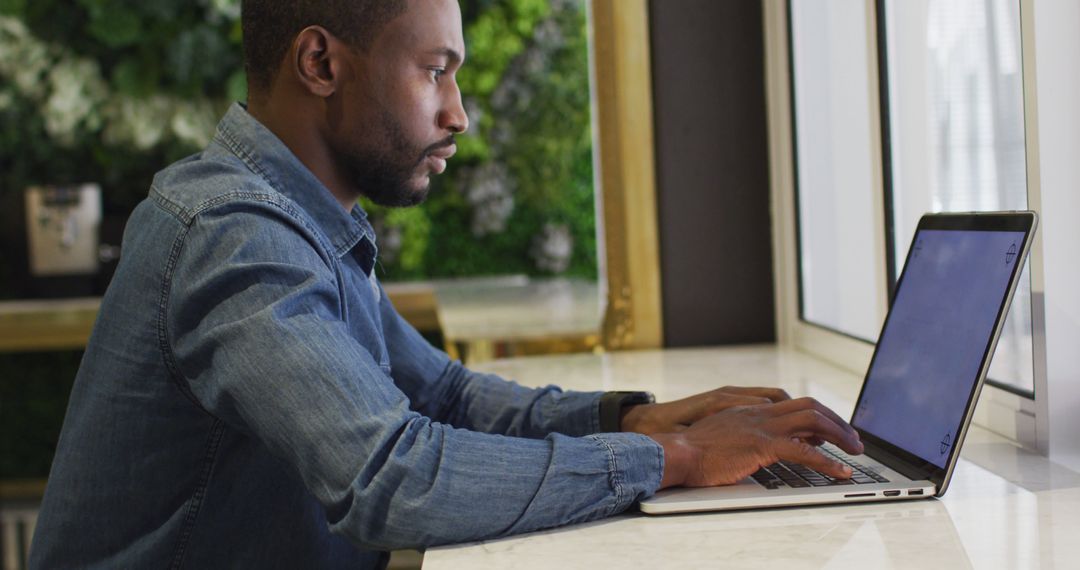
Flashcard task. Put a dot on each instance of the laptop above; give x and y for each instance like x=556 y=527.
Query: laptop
x=924 y=379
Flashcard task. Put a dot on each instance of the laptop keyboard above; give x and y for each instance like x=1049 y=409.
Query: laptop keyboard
x=787 y=474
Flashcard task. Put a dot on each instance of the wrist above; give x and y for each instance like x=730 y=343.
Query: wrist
x=677 y=458
x=630 y=417
x=614 y=407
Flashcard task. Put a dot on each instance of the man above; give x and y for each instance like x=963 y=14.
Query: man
x=250 y=398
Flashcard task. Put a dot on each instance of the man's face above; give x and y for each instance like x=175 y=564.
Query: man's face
x=393 y=122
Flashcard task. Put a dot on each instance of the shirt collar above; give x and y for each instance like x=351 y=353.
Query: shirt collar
x=265 y=154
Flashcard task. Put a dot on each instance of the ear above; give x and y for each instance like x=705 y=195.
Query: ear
x=318 y=61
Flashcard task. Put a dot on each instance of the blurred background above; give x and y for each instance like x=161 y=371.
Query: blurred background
x=763 y=164
x=98 y=95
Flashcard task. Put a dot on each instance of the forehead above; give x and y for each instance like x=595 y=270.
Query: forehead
x=427 y=26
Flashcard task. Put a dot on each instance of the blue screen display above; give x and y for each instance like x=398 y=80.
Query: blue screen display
x=931 y=350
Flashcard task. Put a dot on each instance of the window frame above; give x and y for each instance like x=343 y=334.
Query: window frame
x=879 y=199
x=1019 y=418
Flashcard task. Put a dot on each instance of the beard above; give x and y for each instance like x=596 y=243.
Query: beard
x=388 y=174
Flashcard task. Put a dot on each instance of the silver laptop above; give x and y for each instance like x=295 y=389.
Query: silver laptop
x=923 y=381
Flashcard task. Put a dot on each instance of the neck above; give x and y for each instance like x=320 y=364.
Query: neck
x=300 y=128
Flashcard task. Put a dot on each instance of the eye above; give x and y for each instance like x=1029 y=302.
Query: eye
x=436 y=72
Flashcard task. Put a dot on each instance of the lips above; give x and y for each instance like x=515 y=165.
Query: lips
x=438 y=157
x=445 y=152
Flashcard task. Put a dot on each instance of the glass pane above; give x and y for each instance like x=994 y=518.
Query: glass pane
x=839 y=255
x=956 y=107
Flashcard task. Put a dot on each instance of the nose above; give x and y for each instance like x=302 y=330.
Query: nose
x=453 y=117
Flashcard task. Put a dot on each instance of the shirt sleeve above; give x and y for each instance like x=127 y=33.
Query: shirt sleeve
x=256 y=332
x=446 y=391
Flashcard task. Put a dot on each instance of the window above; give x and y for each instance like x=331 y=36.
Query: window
x=841 y=284
x=956 y=122
x=983 y=132
x=951 y=118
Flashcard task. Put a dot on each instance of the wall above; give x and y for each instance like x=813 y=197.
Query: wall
x=712 y=171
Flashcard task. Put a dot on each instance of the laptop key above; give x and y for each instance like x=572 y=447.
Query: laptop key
x=762 y=475
x=794 y=475
x=766 y=479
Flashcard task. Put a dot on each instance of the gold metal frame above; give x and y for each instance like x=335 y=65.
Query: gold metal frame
x=626 y=183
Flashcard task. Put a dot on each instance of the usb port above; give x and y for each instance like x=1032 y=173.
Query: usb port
x=891 y=493
x=914 y=491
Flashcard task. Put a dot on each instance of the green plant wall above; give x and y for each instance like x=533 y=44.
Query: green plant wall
x=111 y=91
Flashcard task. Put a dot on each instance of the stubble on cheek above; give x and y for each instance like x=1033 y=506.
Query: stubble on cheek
x=385 y=167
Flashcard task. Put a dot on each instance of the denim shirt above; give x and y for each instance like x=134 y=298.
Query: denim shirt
x=249 y=397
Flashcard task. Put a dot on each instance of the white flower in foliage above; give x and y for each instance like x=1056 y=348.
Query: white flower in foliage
x=23 y=58
x=13 y=33
x=228 y=9
x=491 y=196
x=74 y=98
x=140 y=122
x=194 y=123
x=552 y=248
x=76 y=90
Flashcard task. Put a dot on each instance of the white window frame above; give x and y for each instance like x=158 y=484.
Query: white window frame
x=1020 y=419
x=1051 y=89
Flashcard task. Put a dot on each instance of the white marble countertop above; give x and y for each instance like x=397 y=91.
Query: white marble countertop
x=1005 y=508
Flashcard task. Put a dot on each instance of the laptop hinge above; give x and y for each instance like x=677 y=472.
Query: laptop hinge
x=894 y=462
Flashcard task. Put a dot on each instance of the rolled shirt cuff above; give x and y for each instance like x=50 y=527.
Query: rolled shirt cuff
x=636 y=466
x=576 y=413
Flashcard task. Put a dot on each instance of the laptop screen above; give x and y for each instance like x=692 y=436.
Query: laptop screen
x=930 y=352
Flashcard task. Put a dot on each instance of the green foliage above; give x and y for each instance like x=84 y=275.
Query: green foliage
x=540 y=132
x=409 y=228
x=12 y=7
x=34 y=392
x=494 y=38
x=187 y=48
x=182 y=50
x=527 y=94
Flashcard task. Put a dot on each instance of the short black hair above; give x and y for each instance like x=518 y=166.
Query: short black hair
x=269 y=27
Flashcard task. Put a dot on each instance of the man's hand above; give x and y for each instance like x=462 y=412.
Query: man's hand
x=676 y=416
x=728 y=446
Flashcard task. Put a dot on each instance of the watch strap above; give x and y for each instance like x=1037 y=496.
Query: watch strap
x=612 y=404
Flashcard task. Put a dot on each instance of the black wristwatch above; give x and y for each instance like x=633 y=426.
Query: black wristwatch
x=612 y=404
